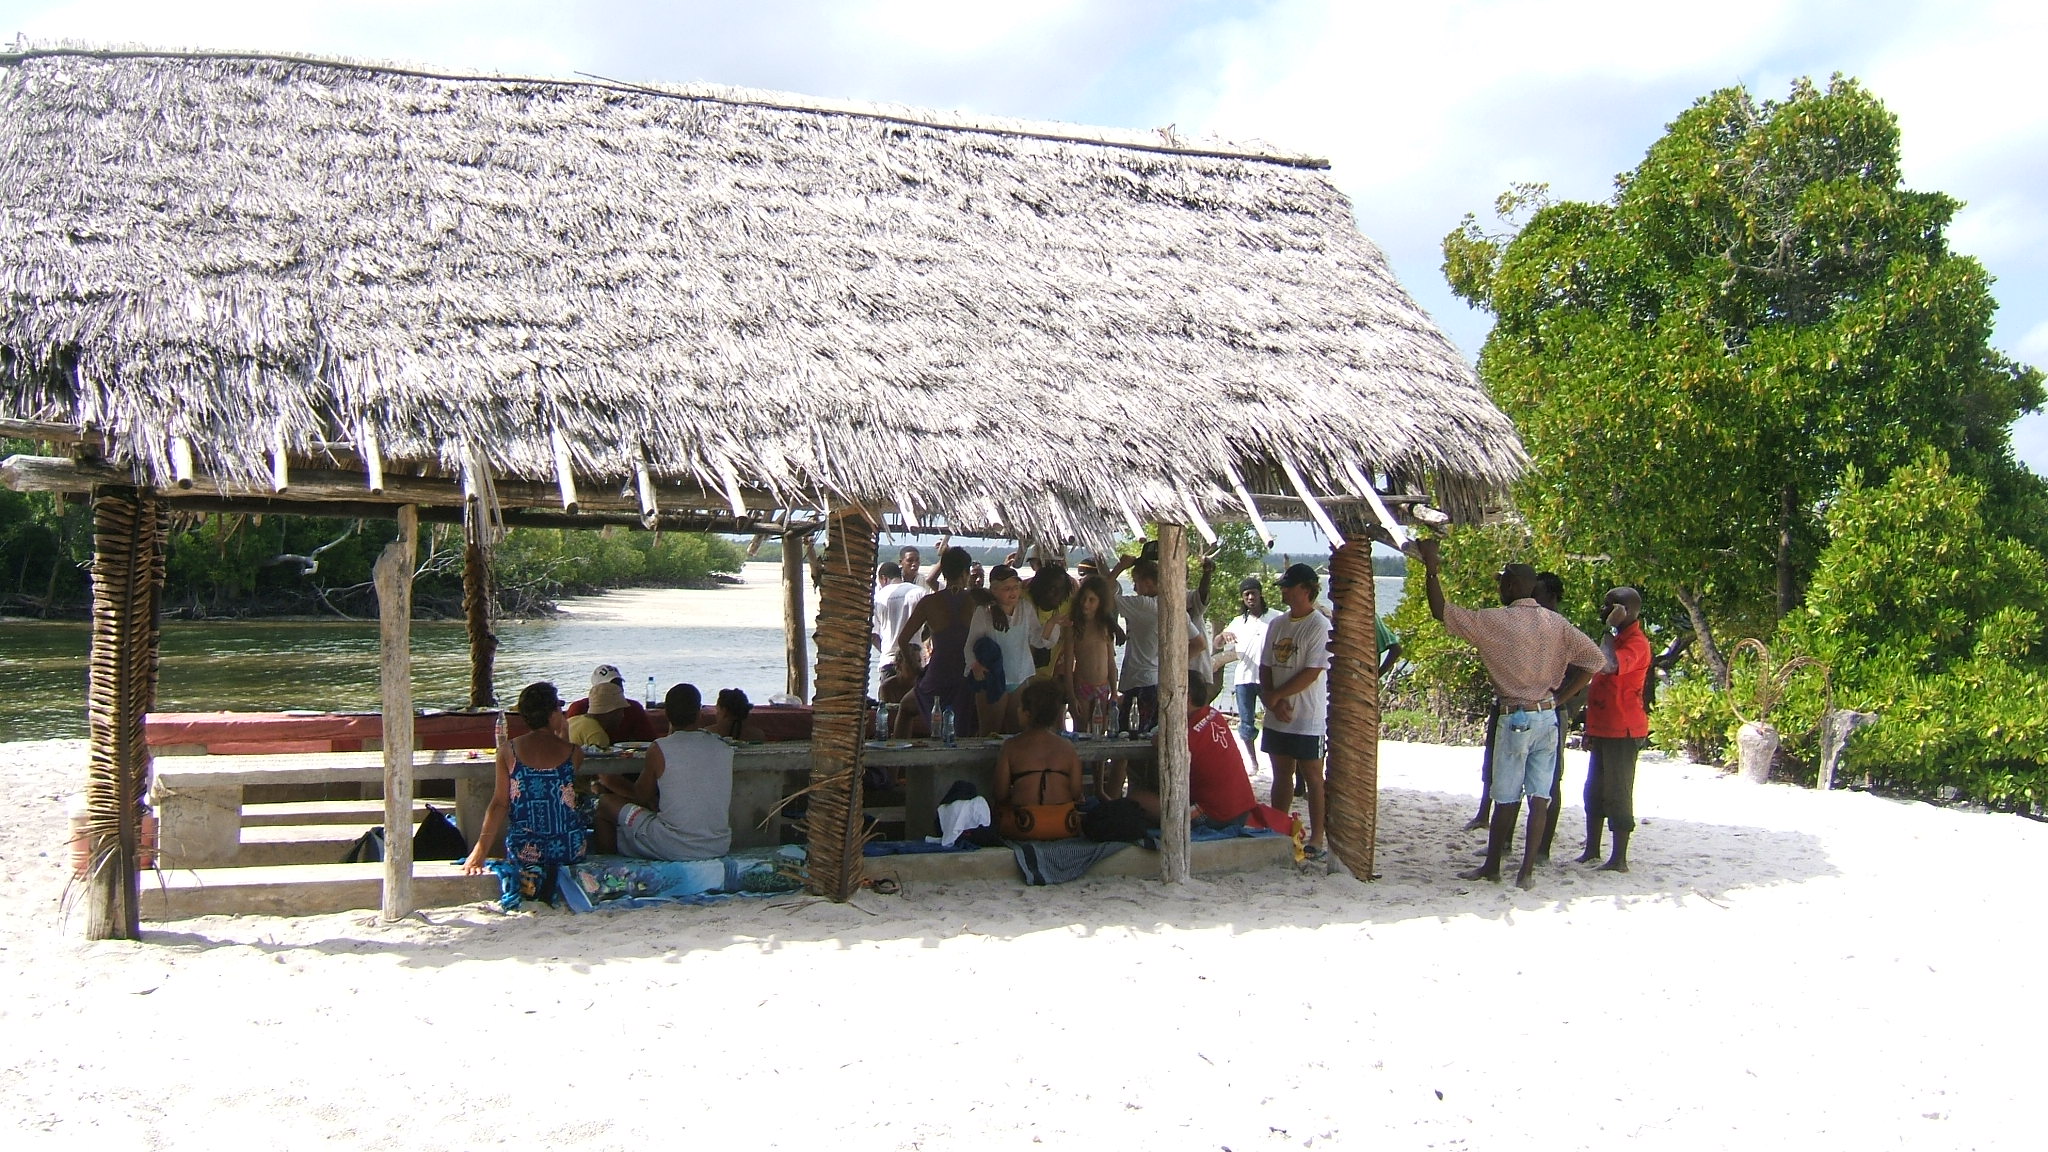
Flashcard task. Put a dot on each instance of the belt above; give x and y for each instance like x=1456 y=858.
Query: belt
x=1509 y=707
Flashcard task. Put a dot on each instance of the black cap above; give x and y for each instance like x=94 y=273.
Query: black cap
x=1300 y=574
x=1250 y=584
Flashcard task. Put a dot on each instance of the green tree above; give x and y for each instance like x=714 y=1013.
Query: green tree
x=1695 y=362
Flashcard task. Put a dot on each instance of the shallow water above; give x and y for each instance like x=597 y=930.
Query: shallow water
x=724 y=637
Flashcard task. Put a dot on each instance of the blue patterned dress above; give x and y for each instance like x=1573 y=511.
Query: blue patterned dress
x=544 y=829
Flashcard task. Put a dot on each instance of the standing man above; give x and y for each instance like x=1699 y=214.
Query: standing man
x=894 y=598
x=1139 y=676
x=1616 y=724
x=1534 y=658
x=909 y=561
x=1247 y=630
x=1294 y=683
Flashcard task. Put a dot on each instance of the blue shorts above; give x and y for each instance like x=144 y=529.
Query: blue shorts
x=1524 y=755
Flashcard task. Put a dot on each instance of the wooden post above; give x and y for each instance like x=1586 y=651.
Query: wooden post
x=128 y=535
x=796 y=649
x=1352 y=790
x=1172 y=738
x=393 y=576
x=477 y=601
x=846 y=604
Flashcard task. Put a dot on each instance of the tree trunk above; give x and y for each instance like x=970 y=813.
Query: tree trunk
x=478 y=600
x=1172 y=736
x=796 y=657
x=1353 y=784
x=1717 y=664
x=846 y=605
x=1788 y=507
x=128 y=538
x=393 y=576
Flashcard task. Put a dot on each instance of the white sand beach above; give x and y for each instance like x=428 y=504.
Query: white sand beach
x=1781 y=969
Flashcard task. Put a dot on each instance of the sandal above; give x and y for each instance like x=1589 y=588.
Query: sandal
x=884 y=886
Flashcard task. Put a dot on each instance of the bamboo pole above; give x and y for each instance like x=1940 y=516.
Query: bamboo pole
x=846 y=601
x=1353 y=788
x=795 y=650
x=128 y=535
x=477 y=601
x=1172 y=736
x=394 y=646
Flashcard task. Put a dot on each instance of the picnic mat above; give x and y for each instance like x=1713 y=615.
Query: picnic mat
x=629 y=882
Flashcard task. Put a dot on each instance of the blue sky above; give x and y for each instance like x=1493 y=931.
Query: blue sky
x=1426 y=110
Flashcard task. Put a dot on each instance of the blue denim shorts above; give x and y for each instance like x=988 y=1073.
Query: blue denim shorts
x=1524 y=755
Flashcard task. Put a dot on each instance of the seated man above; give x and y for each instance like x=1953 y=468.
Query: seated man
x=1038 y=774
x=1218 y=788
x=680 y=807
x=606 y=715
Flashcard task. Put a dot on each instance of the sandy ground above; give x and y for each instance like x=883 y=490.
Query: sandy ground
x=1782 y=969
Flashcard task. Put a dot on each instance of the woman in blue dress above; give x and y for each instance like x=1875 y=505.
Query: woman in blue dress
x=533 y=805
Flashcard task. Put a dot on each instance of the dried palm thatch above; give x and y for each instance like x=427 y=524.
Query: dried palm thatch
x=829 y=304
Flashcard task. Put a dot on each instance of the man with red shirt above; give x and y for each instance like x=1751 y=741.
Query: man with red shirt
x=1217 y=784
x=1616 y=724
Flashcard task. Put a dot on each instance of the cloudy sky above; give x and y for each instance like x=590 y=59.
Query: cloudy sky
x=1425 y=110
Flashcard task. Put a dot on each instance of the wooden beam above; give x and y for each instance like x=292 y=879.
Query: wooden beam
x=310 y=485
x=1173 y=704
x=181 y=461
x=796 y=654
x=373 y=460
x=45 y=431
x=565 y=474
x=393 y=576
x=478 y=599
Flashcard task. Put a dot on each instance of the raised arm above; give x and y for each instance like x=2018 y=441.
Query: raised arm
x=1432 y=582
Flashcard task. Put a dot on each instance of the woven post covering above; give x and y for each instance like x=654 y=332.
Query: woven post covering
x=477 y=599
x=1354 y=771
x=846 y=599
x=128 y=534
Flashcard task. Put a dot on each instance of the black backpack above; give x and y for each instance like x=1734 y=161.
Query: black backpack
x=437 y=838
x=1116 y=820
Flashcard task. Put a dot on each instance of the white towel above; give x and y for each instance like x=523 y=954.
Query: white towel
x=959 y=817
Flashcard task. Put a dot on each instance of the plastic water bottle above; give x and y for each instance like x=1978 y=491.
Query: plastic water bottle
x=946 y=728
x=650 y=692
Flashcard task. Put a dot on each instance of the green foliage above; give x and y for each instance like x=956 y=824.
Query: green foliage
x=1695 y=363
x=1239 y=553
x=1691 y=719
x=1933 y=621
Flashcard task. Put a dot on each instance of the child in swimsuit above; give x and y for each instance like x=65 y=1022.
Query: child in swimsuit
x=1091 y=651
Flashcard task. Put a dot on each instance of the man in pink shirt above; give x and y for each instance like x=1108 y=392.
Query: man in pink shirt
x=1534 y=658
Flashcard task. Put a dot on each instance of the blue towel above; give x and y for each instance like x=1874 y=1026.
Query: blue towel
x=911 y=847
x=629 y=882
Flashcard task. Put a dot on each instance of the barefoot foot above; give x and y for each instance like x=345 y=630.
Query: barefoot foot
x=1614 y=866
x=1586 y=857
x=1474 y=824
x=1492 y=874
x=1525 y=880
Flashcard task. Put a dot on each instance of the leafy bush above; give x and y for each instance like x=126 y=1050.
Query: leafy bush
x=1692 y=719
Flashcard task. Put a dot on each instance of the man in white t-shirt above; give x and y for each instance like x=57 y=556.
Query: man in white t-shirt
x=1247 y=632
x=1294 y=685
x=894 y=598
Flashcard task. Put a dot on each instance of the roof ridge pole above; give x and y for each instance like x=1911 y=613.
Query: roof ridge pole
x=565 y=471
x=1353 y=783
x=1251 y=506
x=393 y=578
x=181 y=461
x=1171 y=738
x=1315 y=508
x=280 y=467
x=373 y=460
x=643 y=478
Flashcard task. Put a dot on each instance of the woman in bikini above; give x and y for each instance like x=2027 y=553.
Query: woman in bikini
x=1038 y=774
x=946 y=614
x=533 y=803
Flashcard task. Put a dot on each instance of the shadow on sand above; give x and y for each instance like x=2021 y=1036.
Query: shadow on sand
x=1421 y=848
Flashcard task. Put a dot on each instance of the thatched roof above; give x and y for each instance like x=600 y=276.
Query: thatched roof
x=823 y=302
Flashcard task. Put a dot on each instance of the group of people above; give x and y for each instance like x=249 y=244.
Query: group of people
x=678 y=807
x=1539 y=664
x=1021 y=654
